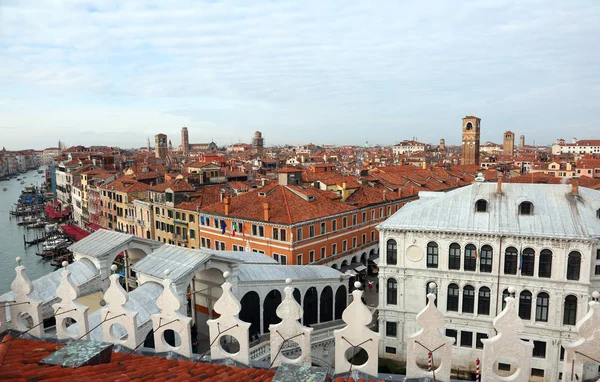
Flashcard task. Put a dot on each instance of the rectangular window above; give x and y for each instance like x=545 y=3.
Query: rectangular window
x=275 y=234
x=390 y=350
x=192 y=219
x=466 y=339
x=299 y=259
x=354 y=219
x=275 y=256
x=372 y=214
x=311 y=256
x=282 y=235
x=597 y=270
x=391 y=329
x=380 y=212
x=222 y=246
x=364 y=217
x=344 y=245
x=562 y=354
x=364 y=238
x=261 y=231
x=323 y=230
x=192 y=234
x=354 y=242
x=478 y=342
x=254 y=230
x=598 y=254
x=432 y=255
x=539 y=349
x=177 y=215
x=333 y=249
x=503 y=366
x=299 y=234
x=311 y=230
x=283 y=259
x=157 y=210
x=344 y=222
x=216 y=221
x=334 y=225
x=452 y=333
x=537 y=372
x=170 y=214
x=207 y=243
x=372 y=236
x=323 y=252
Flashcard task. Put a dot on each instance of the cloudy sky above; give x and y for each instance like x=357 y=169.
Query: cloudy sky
x=339 y=72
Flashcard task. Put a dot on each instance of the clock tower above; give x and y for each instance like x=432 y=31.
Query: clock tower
x=470 y=140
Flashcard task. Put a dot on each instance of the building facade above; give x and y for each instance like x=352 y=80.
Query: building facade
x=470 y=140
x=475 y=242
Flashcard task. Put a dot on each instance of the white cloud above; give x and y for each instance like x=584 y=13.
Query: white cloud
x=340 y=71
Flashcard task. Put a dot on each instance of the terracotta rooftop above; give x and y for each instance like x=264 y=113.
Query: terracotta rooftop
x=286 y=206
x=126 y=184
x=19 y=362
x=177 y=185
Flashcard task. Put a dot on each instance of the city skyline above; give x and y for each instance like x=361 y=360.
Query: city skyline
x=106 y=73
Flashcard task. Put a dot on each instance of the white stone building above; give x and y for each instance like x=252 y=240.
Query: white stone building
x=475 y=242
x=408 y=147
x=581 y=147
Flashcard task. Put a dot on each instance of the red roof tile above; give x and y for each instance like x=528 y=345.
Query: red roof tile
x=19 y=357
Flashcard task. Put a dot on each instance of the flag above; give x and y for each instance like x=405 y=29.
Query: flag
x=477 y=253
x=521 y=259
x=202 y=220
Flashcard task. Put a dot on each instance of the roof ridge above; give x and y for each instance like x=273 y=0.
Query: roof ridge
x=287 y=207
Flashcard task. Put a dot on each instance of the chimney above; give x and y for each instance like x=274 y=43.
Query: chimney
x=384 y=194
x=227 y=202
x=266 y=211
x=263 y=181
x=574 y=187
x=344 y=185
x=399 y=192
x=499 y=185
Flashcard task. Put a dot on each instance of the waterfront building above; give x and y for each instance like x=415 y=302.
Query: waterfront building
x=475 y=242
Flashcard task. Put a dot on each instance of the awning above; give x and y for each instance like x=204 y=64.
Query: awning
x=94 y=227
x=360 y=268
x=375 y=260
x=74 y=232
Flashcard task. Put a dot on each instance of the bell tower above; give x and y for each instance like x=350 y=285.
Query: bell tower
x=470 y=139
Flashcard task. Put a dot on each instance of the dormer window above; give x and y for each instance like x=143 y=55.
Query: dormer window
x=526 y=208
x=481 y=205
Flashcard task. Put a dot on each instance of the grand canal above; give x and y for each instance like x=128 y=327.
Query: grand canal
x=11 y=235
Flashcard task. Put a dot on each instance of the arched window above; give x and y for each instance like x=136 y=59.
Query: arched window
x=485 y=263
x=470 y=258
x=545 y=263
x=432 y=255
x=392 y=252
x=469 y=126
x=570 y=310
x=483 y=301
x=510 y=261
x=541 y=307
x=526 y=208
x=481 y=205
x=468 y=299
x=573 y=265
x=525 y=305
x=392 y=292
x=452 y=303
x=454 y=256
x=433 y=290
x=505 y=294
x=527 y=262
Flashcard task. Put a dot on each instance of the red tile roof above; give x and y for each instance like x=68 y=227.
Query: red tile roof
x=19 y=357
x=286 y=206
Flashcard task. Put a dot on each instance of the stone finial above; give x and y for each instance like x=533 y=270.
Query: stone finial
x=26 y=310
x=228 y=323
x=172 y=318
x=122 y=329
x=429 y=339
x=77 y=313
x=588 y=345
x=290 y=312
x=507 y=346
x=356 y=333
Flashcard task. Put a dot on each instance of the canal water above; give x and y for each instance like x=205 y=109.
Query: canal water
x=11 y=235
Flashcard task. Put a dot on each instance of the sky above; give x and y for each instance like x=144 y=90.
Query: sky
x=116 y=72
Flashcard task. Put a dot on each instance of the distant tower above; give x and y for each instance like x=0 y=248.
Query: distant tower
x=509 y=143
x=148 y=144
x=521 y=141
x=185 y=141
x=170 y=146
x=442 y=144
x=160 y=146
x=470 y=140
x=258 y=143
